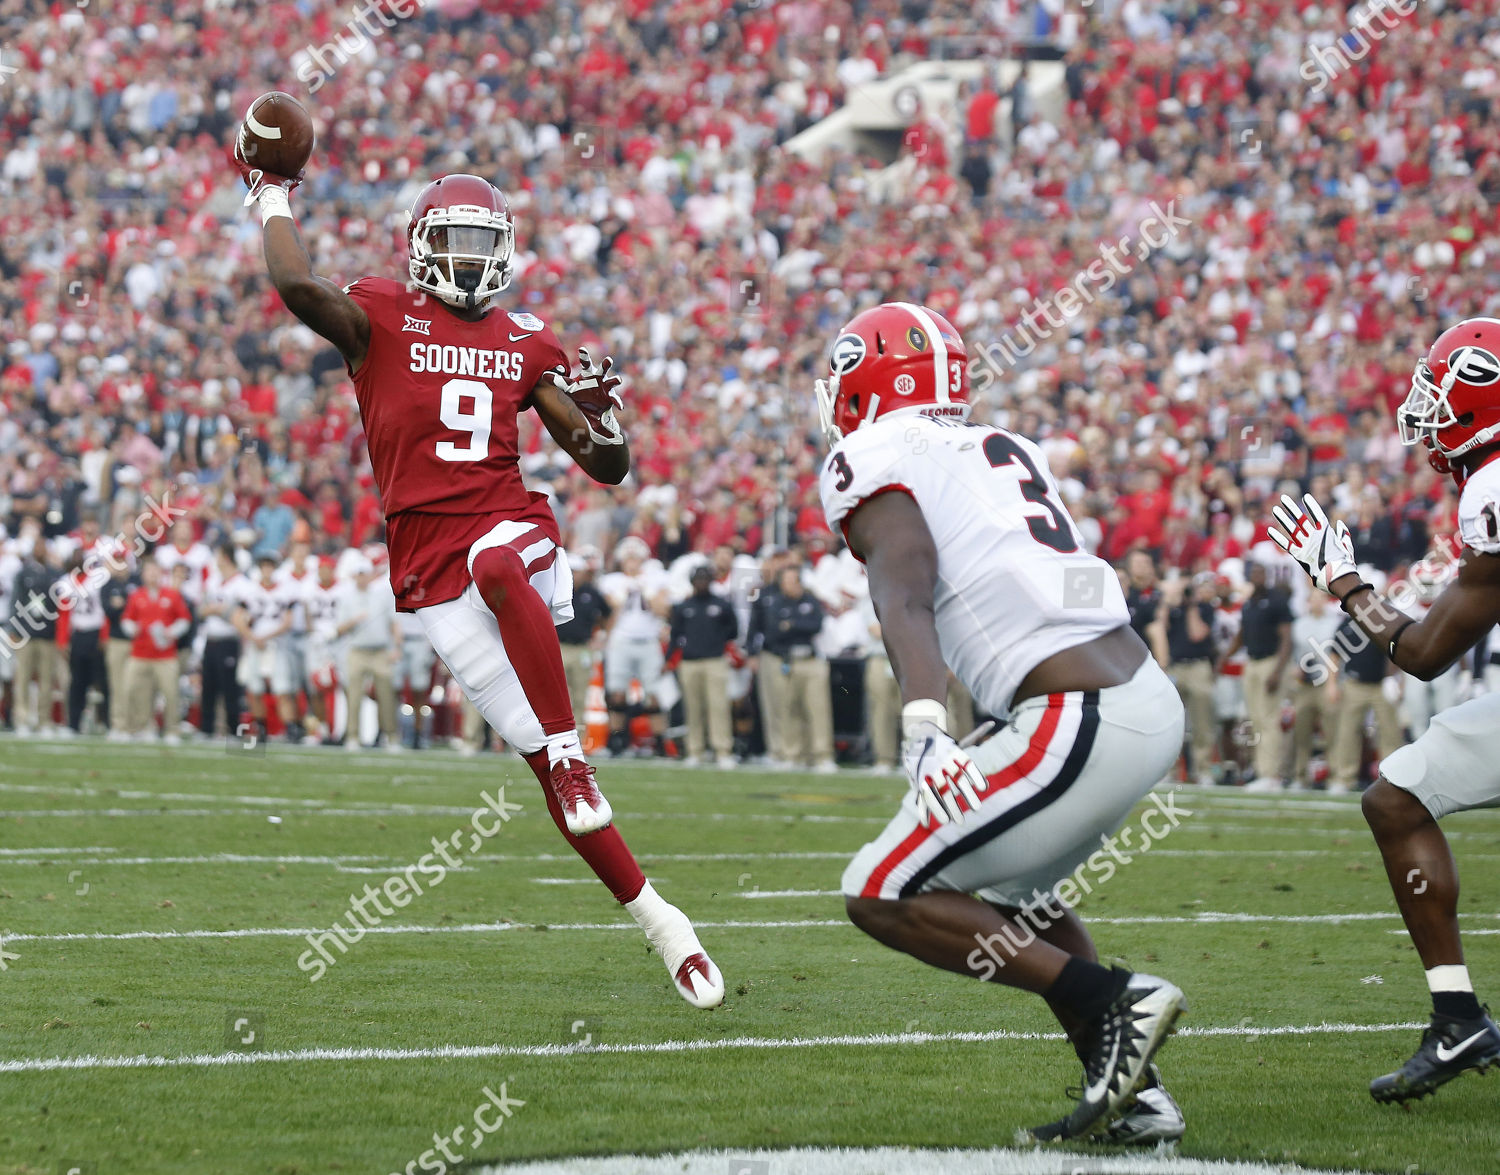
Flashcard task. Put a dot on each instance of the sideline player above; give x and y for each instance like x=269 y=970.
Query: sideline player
x=974 y=564
x=442 y=375
x=1453 y=410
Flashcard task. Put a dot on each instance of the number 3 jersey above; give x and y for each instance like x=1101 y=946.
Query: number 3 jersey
x=1015 y=584
x=440 y=399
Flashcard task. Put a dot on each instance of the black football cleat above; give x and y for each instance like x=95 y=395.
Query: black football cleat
x=1118 y=1061
x=1154 y=1118
x=1449 y=1048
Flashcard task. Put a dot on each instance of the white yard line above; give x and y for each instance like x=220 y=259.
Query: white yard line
x=459 y=1052
x=1203 y=918
x=896 y=1161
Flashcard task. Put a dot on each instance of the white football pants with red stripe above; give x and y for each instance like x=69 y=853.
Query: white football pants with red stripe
x=464 y=633
x=1064 y=773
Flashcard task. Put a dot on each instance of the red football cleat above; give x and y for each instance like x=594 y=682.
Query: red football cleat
x=585 y=809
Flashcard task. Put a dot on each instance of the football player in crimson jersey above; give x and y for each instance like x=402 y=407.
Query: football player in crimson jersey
x=975 y=566
x=442 y=374
x=1453 y=411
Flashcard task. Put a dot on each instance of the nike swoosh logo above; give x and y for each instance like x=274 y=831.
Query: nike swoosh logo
x=1100 y=1089
x=1445 y=1055
x=518 y=338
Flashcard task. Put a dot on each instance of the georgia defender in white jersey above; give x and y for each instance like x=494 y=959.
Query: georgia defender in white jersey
x=1453 y=410
x=976 y=566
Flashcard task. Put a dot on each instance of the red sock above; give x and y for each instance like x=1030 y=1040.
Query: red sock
x=605 y=851
x=529 y=634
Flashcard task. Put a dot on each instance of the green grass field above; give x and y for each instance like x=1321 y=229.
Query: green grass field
x=151 y=912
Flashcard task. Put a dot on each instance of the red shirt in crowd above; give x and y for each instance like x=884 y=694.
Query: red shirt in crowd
x=165 y=607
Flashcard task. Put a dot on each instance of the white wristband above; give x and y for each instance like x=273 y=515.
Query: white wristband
x=274 y=202
x=924 y=710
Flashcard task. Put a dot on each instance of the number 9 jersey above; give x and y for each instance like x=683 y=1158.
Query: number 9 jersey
x=439 y=397
x=1015 y=585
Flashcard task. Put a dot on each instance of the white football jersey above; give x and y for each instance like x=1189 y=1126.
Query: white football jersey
x=1479 y=510
x=1015 y=584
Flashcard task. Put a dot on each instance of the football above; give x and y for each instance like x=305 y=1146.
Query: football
x=277 y=135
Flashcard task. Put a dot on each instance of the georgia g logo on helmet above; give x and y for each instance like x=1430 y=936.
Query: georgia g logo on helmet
x=1474 y=365
x=847 y=354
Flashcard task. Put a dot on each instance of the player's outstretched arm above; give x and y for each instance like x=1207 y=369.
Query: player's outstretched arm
x=601 y=451
x=1467 y=609
x=315 y=300
x=889 y=533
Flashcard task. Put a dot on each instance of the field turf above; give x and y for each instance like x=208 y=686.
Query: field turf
x=154 y=1019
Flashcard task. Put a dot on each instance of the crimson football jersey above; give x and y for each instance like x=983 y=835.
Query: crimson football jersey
x=440 y=399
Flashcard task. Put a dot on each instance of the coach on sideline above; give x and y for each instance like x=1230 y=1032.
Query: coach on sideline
x=703 y=625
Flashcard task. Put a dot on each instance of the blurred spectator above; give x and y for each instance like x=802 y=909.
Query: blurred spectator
x=1266 y=635
x=33 y=637
x=224 y=597
x=85 y=648
x=1315 y=686
x=702 y=628
x=633 y=657
x=1185 y=622
x=367 y=622
x=114 y=596
x=155 y=616
x=795 y=677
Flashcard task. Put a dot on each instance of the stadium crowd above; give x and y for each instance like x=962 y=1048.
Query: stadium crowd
x=1332 y=205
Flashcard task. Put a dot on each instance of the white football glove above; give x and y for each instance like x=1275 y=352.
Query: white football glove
x=947 y=783
x=1324 y=549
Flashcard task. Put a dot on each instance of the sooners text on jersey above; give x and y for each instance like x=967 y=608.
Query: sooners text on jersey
x=439 y=398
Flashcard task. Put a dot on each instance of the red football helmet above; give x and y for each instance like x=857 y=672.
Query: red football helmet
x=897 y=357
x=461 y=239
x=1454 y=403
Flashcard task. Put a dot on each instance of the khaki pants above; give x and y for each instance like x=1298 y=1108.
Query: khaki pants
x=1359 y=697
x=35 y=659
x=705 y=699
x=1314 y=708
x=578 y=666
x=883 y=710
x=116 y=659
x=773 y=684
x=376 y=664
x=809 y=712
x=1195 y=685
x=144 y=679
x=1264 y=708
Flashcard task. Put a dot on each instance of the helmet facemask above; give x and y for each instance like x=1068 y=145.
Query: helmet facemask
x=462 y=255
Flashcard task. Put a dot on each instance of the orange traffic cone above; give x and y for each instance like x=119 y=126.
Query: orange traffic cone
x=595 y=713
